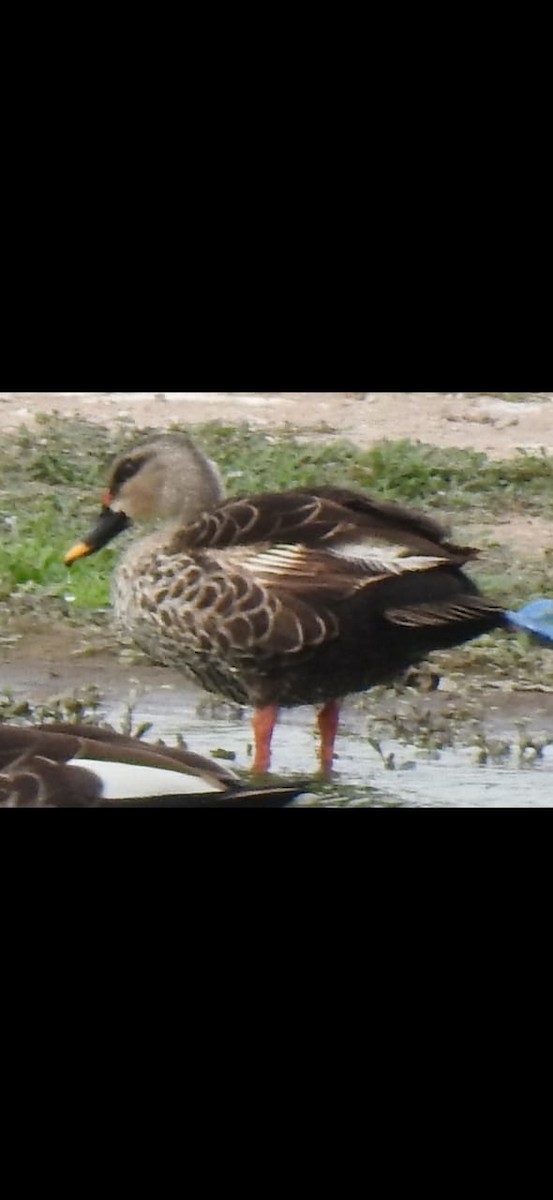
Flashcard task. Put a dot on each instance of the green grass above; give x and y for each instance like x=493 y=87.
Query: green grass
x=50 y=489
x=405 y=471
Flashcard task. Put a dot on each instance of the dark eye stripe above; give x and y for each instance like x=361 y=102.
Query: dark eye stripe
x=125 y=471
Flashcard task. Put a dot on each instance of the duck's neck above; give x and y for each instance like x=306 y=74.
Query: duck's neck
x=192 y=486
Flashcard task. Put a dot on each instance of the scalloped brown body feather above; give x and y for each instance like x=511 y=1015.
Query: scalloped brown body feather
x=256 y=603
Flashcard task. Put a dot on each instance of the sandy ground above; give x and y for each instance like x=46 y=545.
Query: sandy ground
x=481 y=421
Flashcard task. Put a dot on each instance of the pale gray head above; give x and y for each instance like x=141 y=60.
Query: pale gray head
x=168 y=477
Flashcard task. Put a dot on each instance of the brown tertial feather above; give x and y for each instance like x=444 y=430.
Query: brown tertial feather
x=324 y=515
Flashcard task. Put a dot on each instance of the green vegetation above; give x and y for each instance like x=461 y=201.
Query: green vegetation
x=83 y=705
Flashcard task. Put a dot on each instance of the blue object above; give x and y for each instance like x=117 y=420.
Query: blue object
x=536 y=619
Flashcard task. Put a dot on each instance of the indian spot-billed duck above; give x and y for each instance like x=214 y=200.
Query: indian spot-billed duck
x=283 y=598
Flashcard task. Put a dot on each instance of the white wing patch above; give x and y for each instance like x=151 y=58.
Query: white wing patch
x=281 y=560
x=127 y=781
x=387 y=560
x=374 y=560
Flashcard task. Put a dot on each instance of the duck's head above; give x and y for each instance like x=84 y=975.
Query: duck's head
x=167 y=478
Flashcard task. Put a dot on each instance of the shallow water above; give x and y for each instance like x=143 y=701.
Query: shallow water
x=449 y=778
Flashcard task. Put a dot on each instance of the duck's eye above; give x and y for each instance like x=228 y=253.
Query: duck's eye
x=125 y=471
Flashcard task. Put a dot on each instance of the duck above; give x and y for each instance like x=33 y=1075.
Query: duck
x=65 y=765
x=279 y=599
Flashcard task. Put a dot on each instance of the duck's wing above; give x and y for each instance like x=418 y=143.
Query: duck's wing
x=67 y=766
x=289 y=564
x=79 y=741
x=36 y=771
x=327 y=517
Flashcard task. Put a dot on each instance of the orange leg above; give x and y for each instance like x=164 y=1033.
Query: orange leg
x=264 y=721
x=328 y=720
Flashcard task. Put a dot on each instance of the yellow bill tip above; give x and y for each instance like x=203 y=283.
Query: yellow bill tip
x=81 y=550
